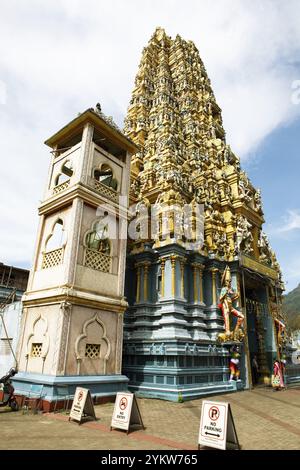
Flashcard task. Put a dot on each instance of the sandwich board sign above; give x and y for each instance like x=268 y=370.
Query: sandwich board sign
x=82 y=406
x=126 y=412
x=217 y=428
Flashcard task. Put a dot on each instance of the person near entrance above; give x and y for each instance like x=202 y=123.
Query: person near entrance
x=277 y=377
x=255 y=370
x=227 y=297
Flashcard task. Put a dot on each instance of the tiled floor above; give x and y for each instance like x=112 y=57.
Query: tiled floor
x=264 y=419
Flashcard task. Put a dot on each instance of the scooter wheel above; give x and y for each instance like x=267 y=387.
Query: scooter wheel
x=14 y=406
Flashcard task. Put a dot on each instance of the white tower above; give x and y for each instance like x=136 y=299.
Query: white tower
x=73 y=308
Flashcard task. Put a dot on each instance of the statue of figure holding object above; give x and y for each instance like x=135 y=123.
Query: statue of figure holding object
x=226 y=299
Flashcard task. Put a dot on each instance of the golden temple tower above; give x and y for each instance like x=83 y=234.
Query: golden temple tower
x=183 y=158
x=174 y=117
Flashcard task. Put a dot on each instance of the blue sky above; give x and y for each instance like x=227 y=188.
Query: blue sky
x=60 y=57
x=275 y=168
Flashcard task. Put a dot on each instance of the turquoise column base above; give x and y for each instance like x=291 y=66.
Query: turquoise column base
x=186 y=393
x=100 y=386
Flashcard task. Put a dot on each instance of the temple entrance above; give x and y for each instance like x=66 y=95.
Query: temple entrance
x=261 y=340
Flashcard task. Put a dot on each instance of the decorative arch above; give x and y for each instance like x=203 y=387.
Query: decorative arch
x=38 y=340
x=105 y=175
x=65 y=174
x=57 y=237
x=93 y=336
x=97 y=238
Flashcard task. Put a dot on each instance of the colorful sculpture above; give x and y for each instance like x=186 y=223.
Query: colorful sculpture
x=235 y=363
x=281 y=333
x=227 y=297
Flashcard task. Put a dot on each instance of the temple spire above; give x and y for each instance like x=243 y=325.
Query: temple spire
x=175 y=120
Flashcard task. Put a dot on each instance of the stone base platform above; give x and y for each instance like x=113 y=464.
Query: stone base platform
x=47 y=392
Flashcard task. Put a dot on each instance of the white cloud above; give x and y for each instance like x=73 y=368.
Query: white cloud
x=2 y=93
x=289 y=224
x=291 y=271
x=59 y=58
x=292 y=221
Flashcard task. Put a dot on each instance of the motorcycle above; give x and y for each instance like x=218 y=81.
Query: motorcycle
x=9 y=398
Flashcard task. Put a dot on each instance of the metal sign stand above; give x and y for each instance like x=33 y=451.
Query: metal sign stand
x=82 y=406
x=217 y=429
x=126 y=412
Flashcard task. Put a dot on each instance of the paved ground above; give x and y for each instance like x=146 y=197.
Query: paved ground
x=264 y=419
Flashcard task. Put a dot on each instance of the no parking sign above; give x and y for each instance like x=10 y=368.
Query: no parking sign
x=217 y=428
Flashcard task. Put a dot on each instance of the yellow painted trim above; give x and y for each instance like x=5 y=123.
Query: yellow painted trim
x=163 y=262
x=201 y=282
x=195 y=283
x=146 y=271
x=182 y=278
x=214 y=287
x=173 y=262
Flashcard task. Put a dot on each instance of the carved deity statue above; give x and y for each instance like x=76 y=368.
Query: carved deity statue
x=227 y=297
x=244 y=238
x=264 y=249
x=257 y=200
x=244 y=190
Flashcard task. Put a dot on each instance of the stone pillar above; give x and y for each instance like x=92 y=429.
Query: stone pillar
x=241 y=282
x=85 y=151
x=264 y=372
x=195 y=269
x=214 y=285
x=72 y=248
x=274 y=331
x=182 y=263
x=201 y=269
x=173 y=263
x=235 y=276
x=138 y=284
x=163 y=262
x=145 y=280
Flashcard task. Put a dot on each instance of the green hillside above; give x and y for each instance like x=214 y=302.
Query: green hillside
x=291 y=306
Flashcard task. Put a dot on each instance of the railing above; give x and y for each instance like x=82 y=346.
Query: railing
x=52 y=258
x=61 y=187
x=97 y=260
x=105 y=190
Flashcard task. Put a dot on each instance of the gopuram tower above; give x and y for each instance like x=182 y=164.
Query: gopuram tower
x=174 y=324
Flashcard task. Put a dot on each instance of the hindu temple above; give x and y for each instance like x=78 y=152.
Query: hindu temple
x=175 y=342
